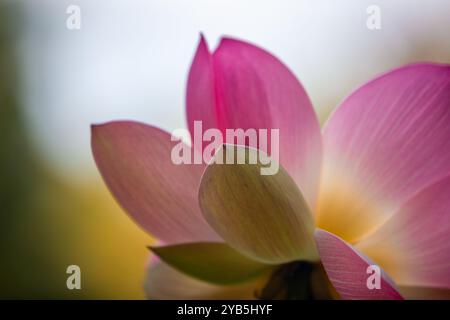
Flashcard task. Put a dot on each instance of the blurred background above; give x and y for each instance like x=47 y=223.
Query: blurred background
x=129 y=60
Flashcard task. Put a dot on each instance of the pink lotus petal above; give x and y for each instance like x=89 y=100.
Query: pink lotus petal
x=200 y=93
x=347 y=270
x=385 y=142
x=414 y=245
x=243 y=86
x=134 y=160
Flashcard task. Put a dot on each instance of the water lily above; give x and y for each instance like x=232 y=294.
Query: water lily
x=372 y=187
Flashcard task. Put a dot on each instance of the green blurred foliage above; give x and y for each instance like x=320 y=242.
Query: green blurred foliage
x=47 y=223
x=24 y=271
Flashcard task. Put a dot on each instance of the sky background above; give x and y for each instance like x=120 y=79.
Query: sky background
x=130 y=60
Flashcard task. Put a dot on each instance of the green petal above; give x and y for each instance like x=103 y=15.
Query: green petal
x=210 y=261
x=263 y=216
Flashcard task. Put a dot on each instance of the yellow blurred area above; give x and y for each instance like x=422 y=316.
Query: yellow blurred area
x=74 y=224
x=116 y=265
x=99 y=237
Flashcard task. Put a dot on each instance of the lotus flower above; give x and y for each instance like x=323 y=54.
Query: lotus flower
x=372 y=187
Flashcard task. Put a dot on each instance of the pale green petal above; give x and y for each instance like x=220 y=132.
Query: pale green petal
x=211 y=261
x=262 y=216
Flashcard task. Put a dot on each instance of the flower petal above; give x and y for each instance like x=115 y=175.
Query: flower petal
x=262 y=216
x=200 y=93
x=347 y=270
x=414 y=245
x=211 y=262
x=243 y=86
x=164 y=282
x=134 y=160
x=385 y=142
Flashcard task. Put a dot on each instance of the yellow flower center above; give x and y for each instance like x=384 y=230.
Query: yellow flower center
x=346 y=207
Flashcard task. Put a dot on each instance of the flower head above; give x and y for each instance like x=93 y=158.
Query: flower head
x=370 y=191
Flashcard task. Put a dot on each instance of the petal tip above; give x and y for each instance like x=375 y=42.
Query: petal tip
x=228 y=42
x=95 y=132
x=202 y=44
x=96 y=127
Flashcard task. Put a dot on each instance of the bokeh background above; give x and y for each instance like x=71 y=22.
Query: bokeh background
x=129 y=60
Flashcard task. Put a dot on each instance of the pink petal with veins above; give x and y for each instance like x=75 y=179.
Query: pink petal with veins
x=347 y=270
x=414 y=245
x=135 y=162
x=388 y=140
x=243 y=86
